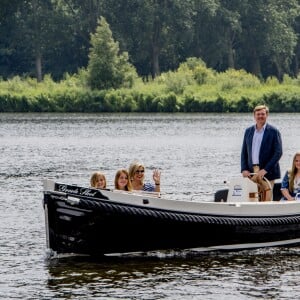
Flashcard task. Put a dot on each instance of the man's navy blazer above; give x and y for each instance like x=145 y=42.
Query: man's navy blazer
x=269 y=154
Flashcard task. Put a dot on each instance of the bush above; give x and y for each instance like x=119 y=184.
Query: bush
x=191 y=88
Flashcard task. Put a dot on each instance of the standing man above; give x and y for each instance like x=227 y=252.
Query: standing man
x=261 y=151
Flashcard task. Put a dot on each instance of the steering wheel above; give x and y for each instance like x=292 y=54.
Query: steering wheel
x=264 y=186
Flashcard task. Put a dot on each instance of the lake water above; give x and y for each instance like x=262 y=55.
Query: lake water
x=195 y=152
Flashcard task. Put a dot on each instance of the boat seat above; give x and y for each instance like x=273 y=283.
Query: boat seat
x=277 y=192
x=221 y=195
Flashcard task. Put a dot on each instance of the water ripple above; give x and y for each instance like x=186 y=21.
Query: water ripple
x=196 y=153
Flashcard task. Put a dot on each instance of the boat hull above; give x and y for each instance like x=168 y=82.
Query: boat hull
x=99 y=225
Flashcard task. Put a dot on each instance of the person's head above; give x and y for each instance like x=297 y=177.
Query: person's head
x=293 y=171
x=122 y=181
x=296 y=162
x=98 y=180
x=261 y=113
x=136 y=171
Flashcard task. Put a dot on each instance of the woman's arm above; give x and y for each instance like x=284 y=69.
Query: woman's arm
x=286 y=194
x=156 y=178
x=285 y=187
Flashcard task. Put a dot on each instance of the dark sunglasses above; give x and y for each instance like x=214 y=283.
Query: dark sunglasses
x=139 y=171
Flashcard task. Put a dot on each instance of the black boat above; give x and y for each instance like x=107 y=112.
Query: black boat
x=81 y=220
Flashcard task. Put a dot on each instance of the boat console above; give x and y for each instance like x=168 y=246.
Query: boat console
x=222 y=194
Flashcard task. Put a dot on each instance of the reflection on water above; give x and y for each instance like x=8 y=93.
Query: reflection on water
x=262 y=274
x=196 y=153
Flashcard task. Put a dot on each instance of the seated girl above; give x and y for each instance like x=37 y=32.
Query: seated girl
x=290 y=185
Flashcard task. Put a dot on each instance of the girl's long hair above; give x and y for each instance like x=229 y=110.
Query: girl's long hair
x=128 y=187
x=292 y=173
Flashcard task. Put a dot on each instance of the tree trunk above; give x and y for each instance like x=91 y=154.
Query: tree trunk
x=38 y=67
x=230 y=58
x=155 y=48
x=279 y=70
x=295 y=64
x=230 y=37
x=155 y=61
x=255 y=63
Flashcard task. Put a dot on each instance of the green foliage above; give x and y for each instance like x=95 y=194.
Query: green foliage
x=272 y=81
x=166 y=103
x=107 y=68
x=178 y=91
x=196 y=67
x=53 y=37
x=233 y=79
x=175 y=81
x=191 y=72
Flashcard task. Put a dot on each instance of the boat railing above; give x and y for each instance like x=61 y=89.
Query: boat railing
x=141 y=193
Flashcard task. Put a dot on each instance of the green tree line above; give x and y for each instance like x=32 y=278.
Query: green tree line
x=39 y=37
x=193 y=87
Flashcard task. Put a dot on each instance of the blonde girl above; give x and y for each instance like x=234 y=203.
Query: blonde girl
x=122 y=181
x=290 y=185
x=98 y=180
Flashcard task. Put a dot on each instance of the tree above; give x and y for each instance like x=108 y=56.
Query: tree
x=208 y=39
x=107 y=68
x=53 y=36
x=283 y=38
x=34 y=31
x=34 y=34
x=268 y=37
x=228 y=33
x=8 y=44
x=154 y=32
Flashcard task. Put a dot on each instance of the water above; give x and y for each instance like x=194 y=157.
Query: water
x=195 y=152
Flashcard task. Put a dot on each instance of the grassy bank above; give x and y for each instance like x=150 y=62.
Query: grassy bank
x=191 y=88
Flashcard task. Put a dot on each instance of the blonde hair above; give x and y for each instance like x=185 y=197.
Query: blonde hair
x=94 y=178
x=128 y=186
x=261 y=107
x=134 y=166
x=292 y=173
